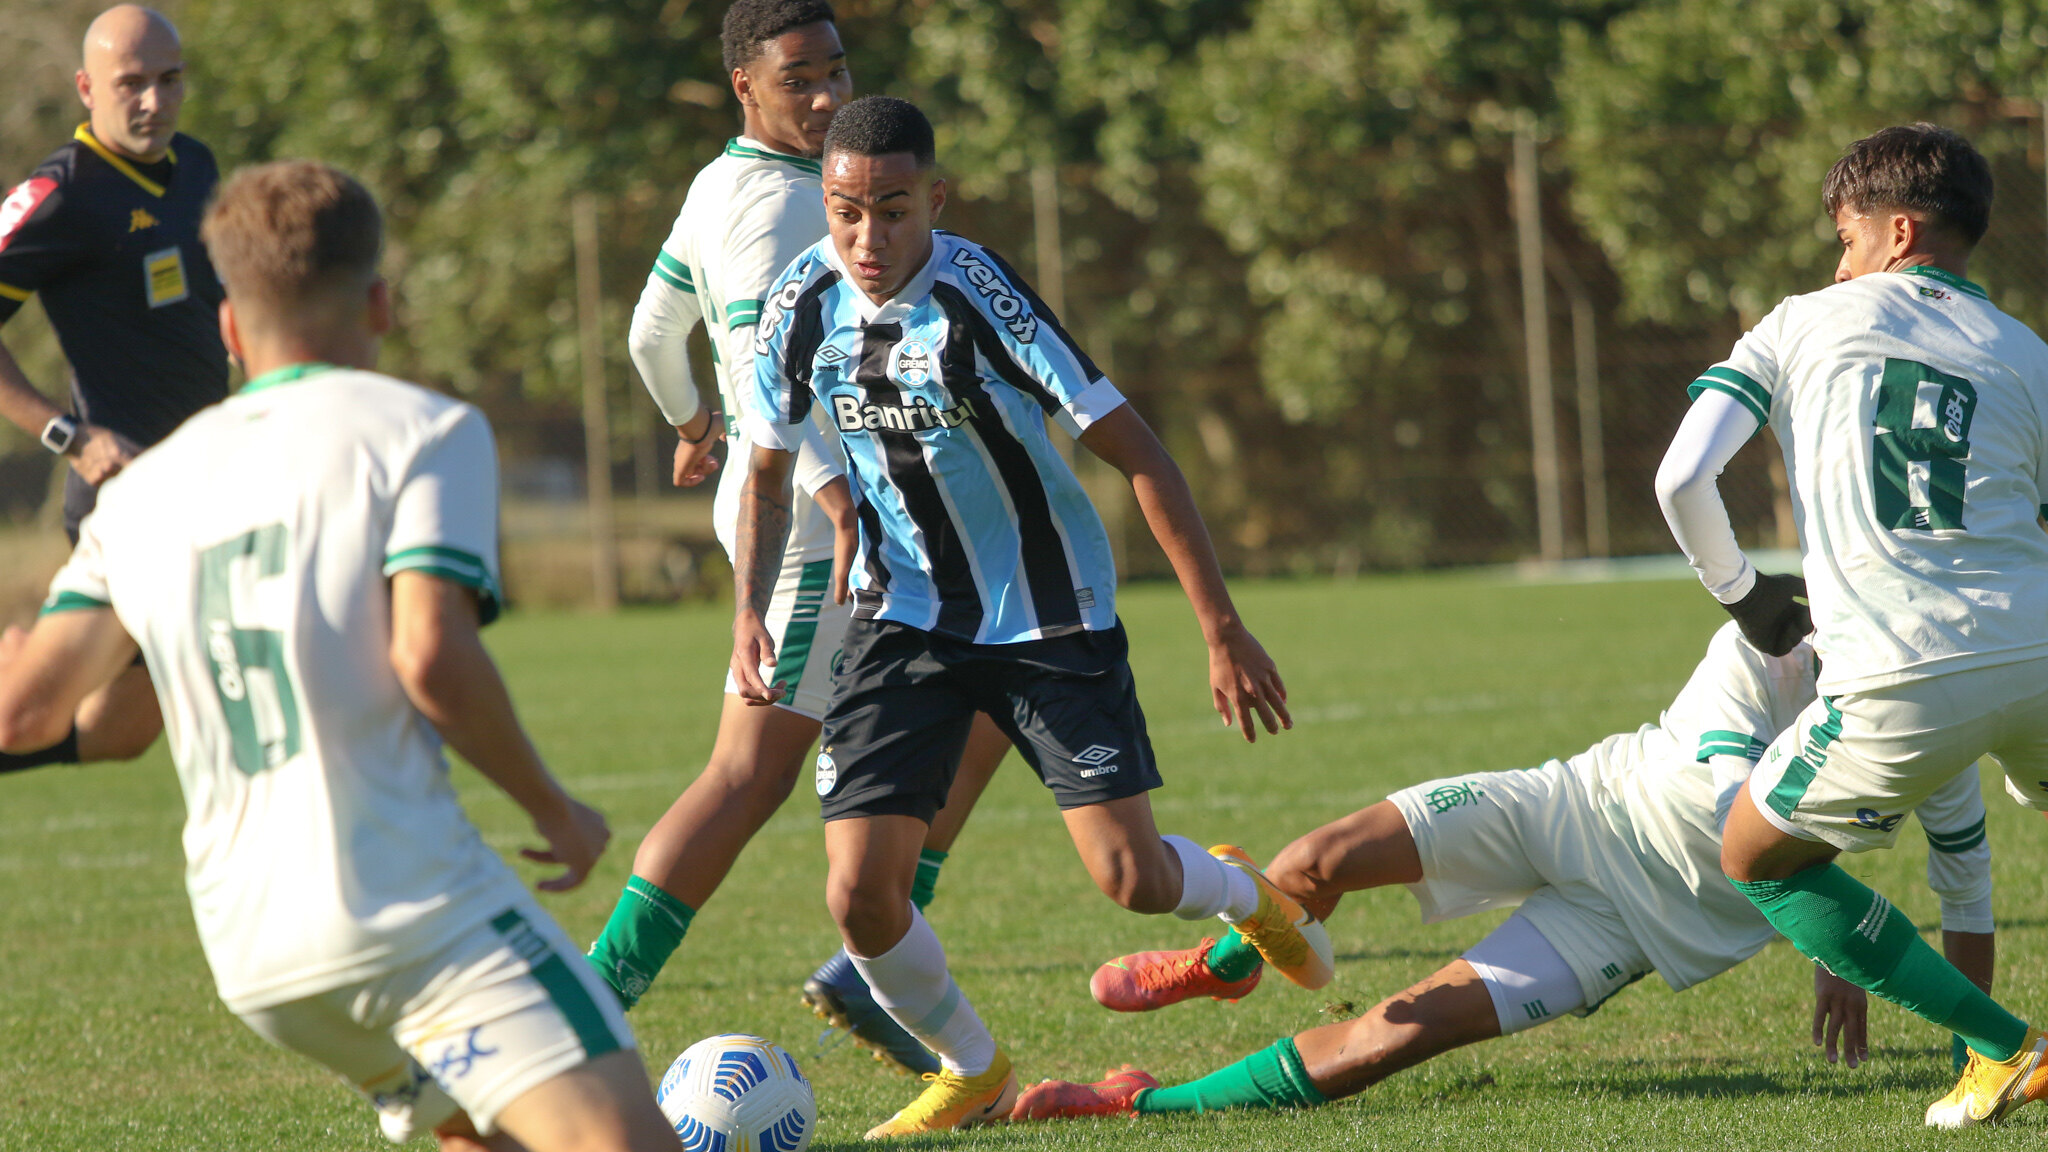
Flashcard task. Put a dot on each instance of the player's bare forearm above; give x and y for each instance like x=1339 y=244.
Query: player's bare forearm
x=23 y=406
x=763 y=529
x=835 y=500
x=763 y=533
x=1243 y=680
x=47 y=671
x=1975 y=955
x=441 y=661
x=1125 y=442
x=440 y=658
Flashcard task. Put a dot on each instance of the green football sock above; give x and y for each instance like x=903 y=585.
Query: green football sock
x=646 y=927
x=927 y=880
x=1232 y=957
x=1835 y=919
x=1270 y=1078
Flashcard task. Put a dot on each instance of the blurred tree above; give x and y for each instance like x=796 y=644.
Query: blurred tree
x=1699 y=130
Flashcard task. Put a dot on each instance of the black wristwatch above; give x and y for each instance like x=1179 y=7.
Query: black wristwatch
x=60 y=435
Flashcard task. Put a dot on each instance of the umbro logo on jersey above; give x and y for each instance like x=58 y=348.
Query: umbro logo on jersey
x=1007 y=305
x=854 y=416
x=828 y=356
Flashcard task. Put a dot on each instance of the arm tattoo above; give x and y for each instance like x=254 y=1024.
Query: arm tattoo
x=763 y=534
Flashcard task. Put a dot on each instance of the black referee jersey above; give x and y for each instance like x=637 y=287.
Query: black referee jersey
x=113 y=247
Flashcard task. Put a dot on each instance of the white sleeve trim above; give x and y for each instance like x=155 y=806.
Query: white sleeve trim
x=768 y=434
x=816 y=463
x=1096 y=401
x=1715 y=428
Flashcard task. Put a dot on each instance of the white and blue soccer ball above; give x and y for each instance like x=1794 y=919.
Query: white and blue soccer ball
x=738 y=1093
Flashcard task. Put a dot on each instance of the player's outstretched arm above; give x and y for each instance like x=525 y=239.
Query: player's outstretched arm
x=47 y=671
x=441 y=661
x=1242 y=678
x=835 y=500
x=757 y=561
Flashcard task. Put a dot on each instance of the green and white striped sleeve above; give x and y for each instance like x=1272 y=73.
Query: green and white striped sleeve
x=444 y=522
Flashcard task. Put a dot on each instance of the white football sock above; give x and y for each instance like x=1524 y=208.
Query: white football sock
x=911 y=982
x=1209 y=887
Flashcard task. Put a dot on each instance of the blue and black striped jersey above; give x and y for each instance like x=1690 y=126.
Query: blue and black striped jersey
x=971 y=524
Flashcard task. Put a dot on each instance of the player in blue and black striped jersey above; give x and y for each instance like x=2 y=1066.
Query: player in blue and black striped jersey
x=984 y=582
x=106 y=231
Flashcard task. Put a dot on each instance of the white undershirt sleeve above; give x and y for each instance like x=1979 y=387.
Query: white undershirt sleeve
x=1714 y=429
x=660 y=345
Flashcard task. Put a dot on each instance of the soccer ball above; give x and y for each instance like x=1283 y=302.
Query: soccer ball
x=738 y=1094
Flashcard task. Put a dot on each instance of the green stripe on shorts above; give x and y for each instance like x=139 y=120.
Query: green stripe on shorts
x=570 y=997
x=795 y=651
x=1798 y=775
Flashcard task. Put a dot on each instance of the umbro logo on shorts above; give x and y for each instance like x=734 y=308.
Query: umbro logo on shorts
x=1094 y=760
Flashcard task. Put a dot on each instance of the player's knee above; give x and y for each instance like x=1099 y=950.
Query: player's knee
x=871 y=917
x=1134 y=884
x=765 y=785
x=1305 y=868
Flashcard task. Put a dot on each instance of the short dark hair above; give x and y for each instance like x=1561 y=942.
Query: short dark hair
x=752 y=23
x=882 y=126
x=282 y=232
x=1922 y=168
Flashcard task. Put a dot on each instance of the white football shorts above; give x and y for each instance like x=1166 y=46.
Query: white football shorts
x=1851 y=767
x=808 y=629
x=503 y=1009
x=1527 y=838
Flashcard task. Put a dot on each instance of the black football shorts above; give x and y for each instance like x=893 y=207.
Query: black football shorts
x=903 y=700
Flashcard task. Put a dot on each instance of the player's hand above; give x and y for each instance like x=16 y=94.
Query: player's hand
x=1771 y=615
x=1839 y=1009
x=753 y=647
x=101 y=454
x=694 y=461
x=1243 y=680
x=576 y=837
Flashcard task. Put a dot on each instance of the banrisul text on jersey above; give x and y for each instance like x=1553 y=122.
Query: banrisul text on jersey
x=971 y=523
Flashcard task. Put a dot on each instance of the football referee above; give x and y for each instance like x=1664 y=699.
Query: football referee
x=107 y=230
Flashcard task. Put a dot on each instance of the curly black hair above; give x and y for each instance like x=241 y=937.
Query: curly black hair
x=752 y=23
x=880 y=126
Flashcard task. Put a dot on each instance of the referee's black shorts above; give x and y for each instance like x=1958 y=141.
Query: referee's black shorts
x=903 y=700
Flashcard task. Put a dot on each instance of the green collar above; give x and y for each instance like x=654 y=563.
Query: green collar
x=1946 y=277
x=735 y=147
x=285 y=375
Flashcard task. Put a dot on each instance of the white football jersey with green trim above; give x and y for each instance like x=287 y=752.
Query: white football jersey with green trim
x=748 y=214
x=1662 y=790
x=248 y=556
x=1913 y=415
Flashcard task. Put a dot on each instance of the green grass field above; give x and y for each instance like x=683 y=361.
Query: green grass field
x=111 y=1038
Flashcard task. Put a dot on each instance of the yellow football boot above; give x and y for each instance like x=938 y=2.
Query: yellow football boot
x=1991 y=1088
x=952 y=1101
x=1290 y=939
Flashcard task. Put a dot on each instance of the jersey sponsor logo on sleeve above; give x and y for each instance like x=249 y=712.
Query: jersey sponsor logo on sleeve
x=776 y=308
x=164 y=274
x=21 y=204
x=1008 y=306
